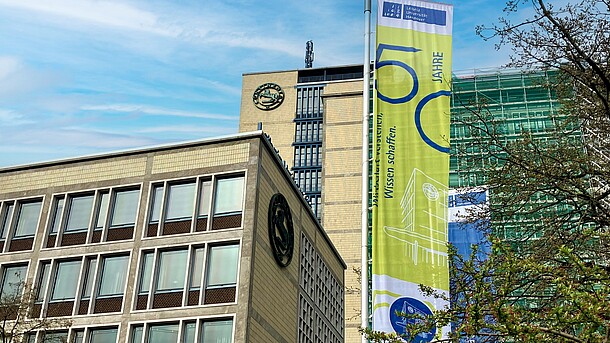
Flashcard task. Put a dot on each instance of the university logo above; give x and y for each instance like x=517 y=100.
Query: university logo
x=268 y=96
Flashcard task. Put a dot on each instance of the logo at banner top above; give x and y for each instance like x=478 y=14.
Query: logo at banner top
x=379 y=64
x=268 y=96
x=407 y=310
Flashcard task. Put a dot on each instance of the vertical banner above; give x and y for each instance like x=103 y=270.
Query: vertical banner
x=411 y=162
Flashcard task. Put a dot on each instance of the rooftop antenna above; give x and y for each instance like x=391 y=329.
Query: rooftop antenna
x=309 y=54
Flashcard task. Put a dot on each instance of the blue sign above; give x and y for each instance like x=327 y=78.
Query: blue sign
x=392 y=10
x=415 y=310
x=424 y=15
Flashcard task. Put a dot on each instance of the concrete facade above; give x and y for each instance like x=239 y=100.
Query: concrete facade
x=262 y=302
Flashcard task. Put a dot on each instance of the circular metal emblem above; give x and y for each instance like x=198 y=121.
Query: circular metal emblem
x=281 y=231
x=268 y=96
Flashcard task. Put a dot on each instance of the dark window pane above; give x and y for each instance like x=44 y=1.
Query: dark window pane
x=147 y=261
x=180 y=201
x=222 y=266
x=217 y=331
x=155 y=211
x=12 y=281
x=66 y=280
x=163 y=333
x=102 y=213
x=27 y=220
x=59 y=207
x=172 y=267
x=229 y=195
x=79 y=213
x=6 y=219
x=113 y=277
x=125 y=207
x=103 y=336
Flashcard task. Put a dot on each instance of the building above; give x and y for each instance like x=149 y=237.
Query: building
x=204 y=241
x=315 y=121
x=314 y=117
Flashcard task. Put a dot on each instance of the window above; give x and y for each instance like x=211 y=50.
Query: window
x=79 y=213
x=163 y=333
x=55 y=337
x=229 y=195
x=184 y=206
x=217 y=331
x=27 y=219
x=5 y=221
x=102 y=215
x=177 y=276
x=125 y=208
x=57 y=211
x=211 y=331
x=89 y=278
x=13 y=278
x=114 y=274
x=66 y=280
x=222 y=266
x=205 y=196
x=172 y=267
x=103 y=335
x=18 y=224
x=180 y=201
x=101 y=280
x=76 y=335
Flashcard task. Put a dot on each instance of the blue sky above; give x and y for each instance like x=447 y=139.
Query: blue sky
x=81 y=77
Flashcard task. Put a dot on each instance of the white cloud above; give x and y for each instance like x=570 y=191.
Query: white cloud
x=75 y=138
x=157 y=111
x=209 y=129
x=18 y=79
x=12 y=118
x=8 y=66
x=106 y=13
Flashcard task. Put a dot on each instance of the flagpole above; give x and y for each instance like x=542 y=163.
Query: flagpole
x=364 y=286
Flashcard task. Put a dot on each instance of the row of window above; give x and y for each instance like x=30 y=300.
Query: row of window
x=308 y=180
x=308 y=155
x=315 y=202
x=187 y=331
x=94 y=216
x=174 y=278
x=309 y=102
x=217 y=330
x=96 y=283
x=185 y=206
x=308 y=131
x=320 y=298
x=103 y=215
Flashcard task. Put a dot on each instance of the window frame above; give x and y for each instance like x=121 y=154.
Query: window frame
x=11 y=211
x=74 y=334
x=100 y=219
x=4 y=268
x=46 y=281
x=147 y=278
x=157 y=209
x=144 y=328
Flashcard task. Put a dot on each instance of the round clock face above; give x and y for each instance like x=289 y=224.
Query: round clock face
x=268 y=96
x=281 y=231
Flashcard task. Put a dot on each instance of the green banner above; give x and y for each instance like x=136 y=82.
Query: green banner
x=411 y=160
